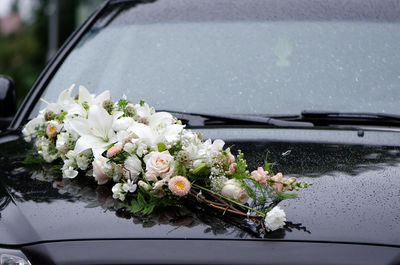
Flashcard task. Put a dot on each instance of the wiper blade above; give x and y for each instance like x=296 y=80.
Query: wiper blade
x=350 y=118
x=203 y=119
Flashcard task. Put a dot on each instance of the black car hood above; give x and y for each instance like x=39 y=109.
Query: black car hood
x=355 y=197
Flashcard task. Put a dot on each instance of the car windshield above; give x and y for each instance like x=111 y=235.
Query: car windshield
x=248 y=65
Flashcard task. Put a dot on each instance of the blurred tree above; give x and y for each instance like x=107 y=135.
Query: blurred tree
x=23 y=53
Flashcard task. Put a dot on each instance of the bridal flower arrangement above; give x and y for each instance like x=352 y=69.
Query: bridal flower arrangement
x=151 y=160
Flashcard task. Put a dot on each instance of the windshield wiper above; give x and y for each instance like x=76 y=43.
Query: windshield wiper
x=324 y=118
x=202 y=119
x=307 y=119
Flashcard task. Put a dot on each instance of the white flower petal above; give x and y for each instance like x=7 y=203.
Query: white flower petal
x=102 y=97
x=90 y=142
x=79 y=125
x=100 y=122
x=84 y=96
x=122 y=123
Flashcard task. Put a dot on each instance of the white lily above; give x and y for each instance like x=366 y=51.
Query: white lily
x=64 y=102
x=95 y=132
x=144 y=111
x=151 y=137
x=84 y=97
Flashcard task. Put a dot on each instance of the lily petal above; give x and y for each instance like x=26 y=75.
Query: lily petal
x=84 y=95
x=100 y=122
x=86 y=142
x=102 y=97
x=80 y=126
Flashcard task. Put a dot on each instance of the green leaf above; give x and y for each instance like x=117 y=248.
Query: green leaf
x=85 y=105
x=122 y=103
x=135 y=207
x=141 y=102
x=31 y=161
x=241 y=166
x=201 y=169
x=149 y=209
x=176 y=148
x=268 y=166
x=161 y=147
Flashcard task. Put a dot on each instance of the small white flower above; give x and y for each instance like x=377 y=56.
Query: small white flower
x=70 y=173
x=159 y=184
x=144 y=185
x=71 y=155
x=202 y=152
x=62 y=141
x=141 y=148
x=82 y=161
x=69 y=167
x=129 y=186
x=275 y=219
x=118 y=192
x=217 y=182
x=45 y=149
x=29 y=130
x=144 y=111
x=133 y=167
x=129 y=148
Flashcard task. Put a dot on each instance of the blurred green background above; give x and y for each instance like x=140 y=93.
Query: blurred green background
x=31 y=31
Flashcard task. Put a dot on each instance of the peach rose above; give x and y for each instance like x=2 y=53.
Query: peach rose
x=159 y=164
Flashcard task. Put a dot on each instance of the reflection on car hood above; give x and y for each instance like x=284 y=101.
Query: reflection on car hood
x=354 y=198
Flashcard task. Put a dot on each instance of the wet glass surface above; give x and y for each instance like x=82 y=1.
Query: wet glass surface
x=270 y=57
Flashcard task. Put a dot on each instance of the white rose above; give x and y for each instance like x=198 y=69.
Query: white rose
x=159 y=164
x=133 y=166
x=234 y=190
x=275 y=219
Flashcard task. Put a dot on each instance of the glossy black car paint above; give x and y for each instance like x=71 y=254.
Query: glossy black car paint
x=354 y=186
x=349 y=216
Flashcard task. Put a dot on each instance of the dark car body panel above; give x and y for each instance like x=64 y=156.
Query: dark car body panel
x=354 y=187
x=208 y=252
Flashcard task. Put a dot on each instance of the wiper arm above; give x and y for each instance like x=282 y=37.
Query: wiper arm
x=202 y=119
x=350 y=118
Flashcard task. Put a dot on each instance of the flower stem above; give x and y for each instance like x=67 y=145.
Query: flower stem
x=228 y=199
